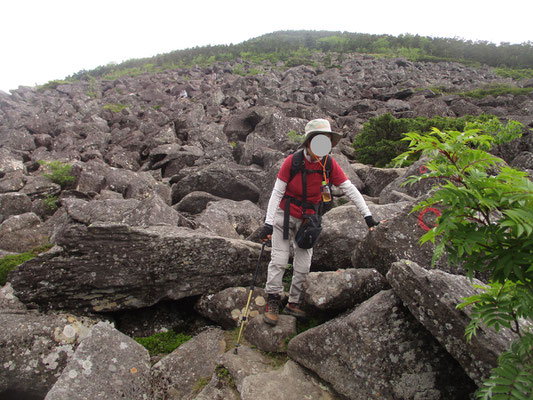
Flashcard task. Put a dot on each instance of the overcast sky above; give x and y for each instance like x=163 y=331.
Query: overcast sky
x=43 y=40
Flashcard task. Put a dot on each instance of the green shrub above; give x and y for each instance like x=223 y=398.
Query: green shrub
x=380 y=140
x=295 y=137
x=515 y=74
x=496 y=90
x=60 y=172
x=486 y=225
x=163 y=342
x=9 y=263
x=51 y=202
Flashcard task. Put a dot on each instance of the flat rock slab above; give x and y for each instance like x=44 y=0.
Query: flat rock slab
x=292 y=382
x=109 y=267
x=432 y=297
x=106 y=365
x=246 y=362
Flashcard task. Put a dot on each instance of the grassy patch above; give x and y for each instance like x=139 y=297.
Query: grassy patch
x=496 y=90
x=9 y=263
x=515 y=74
x=163 y=342
x=115 y=108
x=225 y=376
x=200 y=384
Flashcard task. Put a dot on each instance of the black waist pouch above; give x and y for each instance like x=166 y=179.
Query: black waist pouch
x=309 y=231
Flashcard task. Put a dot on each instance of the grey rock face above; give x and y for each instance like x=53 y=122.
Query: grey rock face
x=379 y=348
x=228 y=306
x=232 y=219
x=107 y=364
x=34 y=349
x=105 y=267
x=342 y=289
x=432 y=297
x=177 y=374
x=270 y=338
x=14 y=204
x=344 y=228
x=289 y=382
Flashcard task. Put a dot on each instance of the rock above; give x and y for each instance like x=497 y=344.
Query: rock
x=242 y=124
x=10 y=161
x=343 y=162
x=162 y=262
x=195 y=202
x=14 y=204
x=343 y=228
x=341 y=290
x=290 y=382
x=34 y=349
x=218 y=388
x=380 y=349
x=12 y=181
x=177 y=375
x=106 y=364
x=432 y=297
x=23 y=232
x=9 y=302
x=228 y=306
x=219 y=179
x=271 y=338
x=40 y=187
x=231 y=219
x=376 y=179
x=397 y=239
x=245 y=363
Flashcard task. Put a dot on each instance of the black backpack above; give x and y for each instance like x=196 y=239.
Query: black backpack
x=298 y=166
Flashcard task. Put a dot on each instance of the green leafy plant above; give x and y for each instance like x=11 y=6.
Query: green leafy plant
x=163 y=342
x=486 y=225
x=380 y=140
x=10 y=262
x=225 y=376
x=60 y=172
x=295 y=137
x=51 y=202
x=496 y=90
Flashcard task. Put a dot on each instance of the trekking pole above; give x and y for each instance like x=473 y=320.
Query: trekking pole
x=247 y=309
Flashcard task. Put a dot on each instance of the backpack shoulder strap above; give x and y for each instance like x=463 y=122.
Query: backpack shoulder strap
x=298 y=163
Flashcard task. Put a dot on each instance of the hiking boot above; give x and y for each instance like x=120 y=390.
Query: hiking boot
x=272 y=309
x=294 y=310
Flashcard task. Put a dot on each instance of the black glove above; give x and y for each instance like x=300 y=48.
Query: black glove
x=265 y=232
x=370 y=221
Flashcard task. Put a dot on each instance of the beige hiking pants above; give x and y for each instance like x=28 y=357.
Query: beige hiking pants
x=280 y=258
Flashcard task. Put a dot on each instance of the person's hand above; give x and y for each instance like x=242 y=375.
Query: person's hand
x=266 y=233
x=371 y=222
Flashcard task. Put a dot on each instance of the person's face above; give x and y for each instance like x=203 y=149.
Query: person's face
x=320 y=145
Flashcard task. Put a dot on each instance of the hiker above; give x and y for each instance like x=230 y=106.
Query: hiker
x=301 y=192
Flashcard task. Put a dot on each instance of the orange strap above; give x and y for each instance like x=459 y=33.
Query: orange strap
x=323 y=165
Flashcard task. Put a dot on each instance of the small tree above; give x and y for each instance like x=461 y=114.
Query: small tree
x=486 y=225
x=60 y=172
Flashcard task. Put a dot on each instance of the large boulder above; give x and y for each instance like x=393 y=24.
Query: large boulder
x=177 y=375
x=397 y=239
x=21 y=233
x=335 y=291
x=109 y=266
x=220 y=179
x=343 y=228
x=34 y=349
x=228 y=306
x=13 y=204
x=232 y=219
x=432 y=297
x=107 y=364
x=379 y=349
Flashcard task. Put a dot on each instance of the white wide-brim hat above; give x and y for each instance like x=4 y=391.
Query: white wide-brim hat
x=317 y=126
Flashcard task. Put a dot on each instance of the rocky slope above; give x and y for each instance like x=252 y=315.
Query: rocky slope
x=172 y=175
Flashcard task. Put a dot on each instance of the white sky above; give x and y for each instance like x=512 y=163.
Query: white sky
x=43 y=40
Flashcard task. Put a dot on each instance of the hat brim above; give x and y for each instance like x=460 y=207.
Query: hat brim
x=335 y=137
